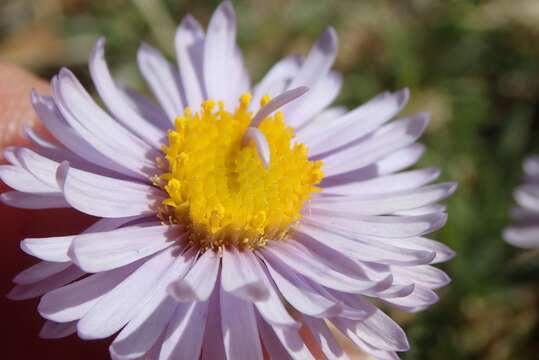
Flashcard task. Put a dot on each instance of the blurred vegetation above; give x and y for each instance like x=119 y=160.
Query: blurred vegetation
x=474 y=65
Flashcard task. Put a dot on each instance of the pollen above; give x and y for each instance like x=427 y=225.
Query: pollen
x=219 y=189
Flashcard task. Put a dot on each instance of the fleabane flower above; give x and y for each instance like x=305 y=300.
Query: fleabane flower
x=231 y=217
x=524 y=232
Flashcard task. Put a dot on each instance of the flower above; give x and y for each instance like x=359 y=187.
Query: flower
x=228 y=220
x=524 y=232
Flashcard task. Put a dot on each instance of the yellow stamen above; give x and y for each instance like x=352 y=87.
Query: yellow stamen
x=221 y=191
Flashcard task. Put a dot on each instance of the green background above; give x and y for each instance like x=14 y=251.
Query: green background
x=474 y=65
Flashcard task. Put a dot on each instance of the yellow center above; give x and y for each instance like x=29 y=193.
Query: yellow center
x=218 y=187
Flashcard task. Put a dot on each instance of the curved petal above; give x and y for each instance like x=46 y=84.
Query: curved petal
x=163 y=79
x=109 y=250
x=119 y=305
x=105 y=196
x=115 y=100
x=189 y=42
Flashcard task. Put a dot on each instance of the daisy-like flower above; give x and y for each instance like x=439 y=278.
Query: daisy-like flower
x=524 y=232
x=231 y=217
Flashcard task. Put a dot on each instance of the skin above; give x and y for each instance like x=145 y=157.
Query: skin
x=20 y=322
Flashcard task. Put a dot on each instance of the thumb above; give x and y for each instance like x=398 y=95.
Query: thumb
x=15 y=106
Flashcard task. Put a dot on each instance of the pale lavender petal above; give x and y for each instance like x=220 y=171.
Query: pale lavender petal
x=116 y=101
x=354 y=124
x=105 y=196
x=384 y=226
x=420 y=299
x=300 y=294
x=240 y=331
x=324 y=92
x=72 y=302
x=525 y=236
x=239 y=278
x=276 y=79
x=424 y=275
x=22 y=180
x=54 y=330
x=34 y=201
x=219 y=48
x=49 y=114
x=199 y=282
x=189 y=42
x=383 y=142
x=109 y=250
x=213 y=347
x=119 y=305
x=285 y=341
x=29 y=291
x=272 y=309
x=145 y=107
x=276 y=103
x=271 y=342
x=351 y=245
x=101 y=131
x=300 y=259
x=40 y=271
x=163 y=79
x=378 y=330
x=153 y=316
x=318 y=61
x=325 y=338
x=380 y=204
x=184 y=334
x=55 y=248
x=389 y=183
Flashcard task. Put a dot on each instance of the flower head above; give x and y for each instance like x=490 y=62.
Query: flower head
x=525 y=230
x=231 y=216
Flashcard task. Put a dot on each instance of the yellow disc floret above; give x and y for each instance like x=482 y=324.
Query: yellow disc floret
x=218 y=187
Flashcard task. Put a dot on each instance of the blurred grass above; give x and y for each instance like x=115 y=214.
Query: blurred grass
x=472 y=64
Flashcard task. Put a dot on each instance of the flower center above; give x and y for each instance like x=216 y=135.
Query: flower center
x=218 y=187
